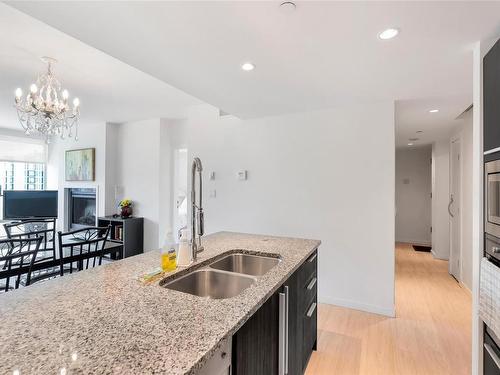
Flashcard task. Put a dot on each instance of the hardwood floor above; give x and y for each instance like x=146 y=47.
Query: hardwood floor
x=431 y=333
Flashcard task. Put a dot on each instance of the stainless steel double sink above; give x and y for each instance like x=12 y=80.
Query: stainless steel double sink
x=224 y=278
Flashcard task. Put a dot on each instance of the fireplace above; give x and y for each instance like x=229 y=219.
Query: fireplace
x=81 y=208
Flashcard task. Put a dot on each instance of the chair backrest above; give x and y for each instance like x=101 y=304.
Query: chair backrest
x=34 y=228
x=16 y=259
x=82 y=247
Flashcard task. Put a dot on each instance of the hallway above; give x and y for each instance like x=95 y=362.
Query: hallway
x=431 y=333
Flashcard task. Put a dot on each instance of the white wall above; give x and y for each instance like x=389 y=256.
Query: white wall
x=481 y=48
x=112 y=188
x=326 y=174
x=464 y=131
x=145 y=170
x=133 y=160
x=138 y=165
x=440 y=199
x=89 y=135
x=413 y=195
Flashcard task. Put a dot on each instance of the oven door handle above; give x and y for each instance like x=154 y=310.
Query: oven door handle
x=449 y=205
x=492 y=354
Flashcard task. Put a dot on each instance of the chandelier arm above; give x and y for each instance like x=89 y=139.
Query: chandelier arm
x=44 y=112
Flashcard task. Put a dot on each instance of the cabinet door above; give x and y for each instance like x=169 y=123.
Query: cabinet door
x=310 y=319
x=491 y=92
x=308 y=307
x=295 y=330
x=255 y=345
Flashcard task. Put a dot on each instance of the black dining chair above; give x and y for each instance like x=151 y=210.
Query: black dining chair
x=34 y=228
x=17 y=257
x=82 y=247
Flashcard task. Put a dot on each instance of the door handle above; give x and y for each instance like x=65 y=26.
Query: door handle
x=312 y=283
x=287 y=307
x=311 y=309
x=282 y=338
x=311 y=259
x=449 y=206
x=492 y=354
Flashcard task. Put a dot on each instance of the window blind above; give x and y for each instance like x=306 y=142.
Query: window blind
x=16 y=149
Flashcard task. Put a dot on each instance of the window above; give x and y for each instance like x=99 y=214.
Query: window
x=22 y=176
x=34 y=176
x=22 y=163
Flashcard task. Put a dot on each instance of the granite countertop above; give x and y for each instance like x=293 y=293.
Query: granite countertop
x=104 y=321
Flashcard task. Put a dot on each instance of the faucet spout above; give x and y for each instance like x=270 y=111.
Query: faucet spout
x=197 y=216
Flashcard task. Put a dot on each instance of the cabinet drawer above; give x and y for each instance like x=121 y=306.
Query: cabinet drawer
x=309 y=290
x=309 y=267
x=310 y=320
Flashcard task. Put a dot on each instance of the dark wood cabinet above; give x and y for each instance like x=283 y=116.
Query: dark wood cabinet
x=309 y=307
x=491 y=98
x=294 y=332
x=127 y=232
x=256 y=345
x=255 y=349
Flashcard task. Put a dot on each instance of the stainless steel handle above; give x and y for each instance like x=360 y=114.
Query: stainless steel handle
x=311 y=259
x=312 y=283
x=492 y=354
x=311 y=310
x=495 y=249
x=201 y=222
x=282 y=328
x=287 y=308
x=449 y=206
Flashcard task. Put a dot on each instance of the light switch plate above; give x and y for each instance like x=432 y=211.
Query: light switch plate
x=242 y=175
x=212 y=176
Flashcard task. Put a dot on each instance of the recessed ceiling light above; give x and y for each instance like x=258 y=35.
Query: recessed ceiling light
x=288 y=6
x=248 y=66
x=410 y=144
x=420 y=131
x=388 y=33
x=434 y=110
x=413 y=139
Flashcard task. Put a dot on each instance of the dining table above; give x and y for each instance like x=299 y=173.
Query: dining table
x=111 y=248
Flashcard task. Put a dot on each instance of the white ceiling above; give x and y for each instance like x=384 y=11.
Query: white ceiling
x=109 y=89
x=323 y=55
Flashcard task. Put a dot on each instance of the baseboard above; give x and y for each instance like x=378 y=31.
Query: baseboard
x=390 y=312
x=436 y=256
x=465 y=287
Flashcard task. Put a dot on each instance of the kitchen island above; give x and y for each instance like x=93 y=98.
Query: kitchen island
x=104 y=321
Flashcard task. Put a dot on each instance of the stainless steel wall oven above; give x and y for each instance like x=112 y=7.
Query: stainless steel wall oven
x=492 y=198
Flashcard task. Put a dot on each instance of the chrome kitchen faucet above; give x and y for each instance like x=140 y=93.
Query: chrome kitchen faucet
x=197 y=220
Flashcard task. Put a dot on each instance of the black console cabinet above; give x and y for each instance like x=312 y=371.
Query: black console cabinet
x=491 y=93
x=256 y=345
x=128 y=232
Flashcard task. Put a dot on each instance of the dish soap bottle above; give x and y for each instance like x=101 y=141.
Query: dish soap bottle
x=169 y=253
x=184 y=256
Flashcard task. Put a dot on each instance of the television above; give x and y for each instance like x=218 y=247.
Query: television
x=27 y=204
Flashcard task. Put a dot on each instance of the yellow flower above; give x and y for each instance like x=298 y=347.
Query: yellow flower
x=125 y=202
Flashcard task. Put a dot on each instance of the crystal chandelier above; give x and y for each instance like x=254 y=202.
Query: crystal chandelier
x=45 y=110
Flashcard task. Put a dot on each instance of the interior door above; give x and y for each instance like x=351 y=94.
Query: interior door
x=454 y=210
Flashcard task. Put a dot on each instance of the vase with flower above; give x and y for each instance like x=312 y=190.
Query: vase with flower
x=125 y=208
